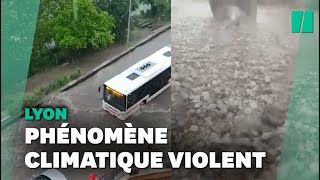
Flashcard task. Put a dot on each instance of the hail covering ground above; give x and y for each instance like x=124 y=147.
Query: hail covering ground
x=230 y=85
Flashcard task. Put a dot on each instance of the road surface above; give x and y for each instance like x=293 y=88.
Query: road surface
x=84 y=105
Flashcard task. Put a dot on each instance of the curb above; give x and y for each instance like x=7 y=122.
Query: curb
x=112 y=60
x=9 y=121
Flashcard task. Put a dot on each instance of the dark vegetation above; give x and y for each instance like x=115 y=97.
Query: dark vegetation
x=66 y=29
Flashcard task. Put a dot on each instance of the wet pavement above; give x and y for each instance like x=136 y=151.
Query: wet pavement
x=84 y=105
x=231 y=85
x=230 y=90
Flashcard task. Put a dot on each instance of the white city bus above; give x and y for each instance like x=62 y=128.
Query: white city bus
x=126 y=92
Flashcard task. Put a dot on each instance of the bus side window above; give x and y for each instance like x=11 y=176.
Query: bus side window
x=141 y=92
x=132 y=99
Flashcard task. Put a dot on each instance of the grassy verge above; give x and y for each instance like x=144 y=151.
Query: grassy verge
x=36 y=95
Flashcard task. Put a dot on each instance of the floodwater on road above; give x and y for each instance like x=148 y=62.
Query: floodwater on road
x=84 y=111
x=231 y=84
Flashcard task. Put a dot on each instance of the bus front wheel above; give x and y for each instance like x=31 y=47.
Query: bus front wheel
x=144 y=102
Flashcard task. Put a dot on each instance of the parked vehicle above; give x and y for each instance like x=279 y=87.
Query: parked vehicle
x=51 y=174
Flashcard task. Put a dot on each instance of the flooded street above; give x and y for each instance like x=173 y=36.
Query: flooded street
x=84 y=110
x=231 y=84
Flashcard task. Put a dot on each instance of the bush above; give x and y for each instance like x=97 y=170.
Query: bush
x=36 y=95
x=159 y=9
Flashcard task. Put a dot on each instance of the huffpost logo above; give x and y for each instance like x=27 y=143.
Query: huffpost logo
x=302 y=21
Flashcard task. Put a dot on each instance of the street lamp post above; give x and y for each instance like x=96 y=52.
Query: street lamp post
x=129 y=22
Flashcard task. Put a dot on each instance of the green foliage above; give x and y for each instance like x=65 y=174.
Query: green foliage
x=119 y=9
x=160 y=8
x=32 y=98
x=29 y=99
x=66 y=27
x=69 y=27
x=92 y=28
x=36 y=95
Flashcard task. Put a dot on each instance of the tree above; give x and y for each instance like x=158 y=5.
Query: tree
x=92 y=29
x=65 y=27
x=48 y=9
x=119 y=9
x=159 y=7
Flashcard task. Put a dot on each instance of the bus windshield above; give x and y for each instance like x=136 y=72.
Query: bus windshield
x=116 y=100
